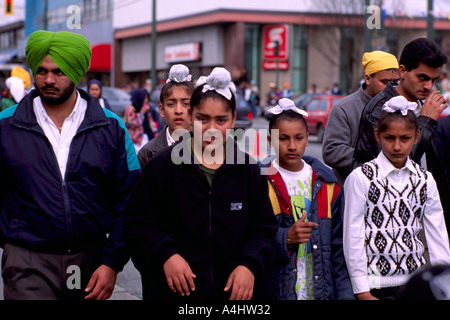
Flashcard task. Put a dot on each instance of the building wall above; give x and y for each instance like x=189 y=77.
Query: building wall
x=323 y=57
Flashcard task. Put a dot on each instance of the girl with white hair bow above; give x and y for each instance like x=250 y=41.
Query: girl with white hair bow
x=211 y=226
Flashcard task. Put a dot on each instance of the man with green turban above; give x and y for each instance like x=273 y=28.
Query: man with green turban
x=68 y=167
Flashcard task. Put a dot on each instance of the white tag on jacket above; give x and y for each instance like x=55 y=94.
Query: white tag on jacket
x=235 y=206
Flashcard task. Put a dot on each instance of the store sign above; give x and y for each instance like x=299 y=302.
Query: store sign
x=272 y=34
x=182 y=52
x=272 y=65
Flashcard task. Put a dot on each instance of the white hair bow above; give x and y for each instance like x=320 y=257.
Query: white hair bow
x=179 y=73
x=219 y=80
x=285 y=104
x=399 y=103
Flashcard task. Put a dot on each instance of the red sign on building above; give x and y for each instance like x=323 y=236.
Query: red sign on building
x=271 y=34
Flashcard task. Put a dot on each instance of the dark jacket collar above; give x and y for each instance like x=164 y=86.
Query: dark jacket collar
x=24 y=115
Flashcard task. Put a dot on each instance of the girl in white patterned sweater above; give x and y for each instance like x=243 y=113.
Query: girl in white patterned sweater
x=388 y=201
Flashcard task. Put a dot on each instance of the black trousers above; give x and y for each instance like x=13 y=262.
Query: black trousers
x=390 y=293
x=31 y=275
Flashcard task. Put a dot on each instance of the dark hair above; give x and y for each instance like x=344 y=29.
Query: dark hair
x=198 y=96
x=386 y=118
x=288 y=115
x=166 y=90
x=137 y=98
x=422 y=50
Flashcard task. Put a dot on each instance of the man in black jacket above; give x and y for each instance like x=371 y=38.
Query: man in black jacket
x=419 y=67
x=438 y=162
x=67 y=167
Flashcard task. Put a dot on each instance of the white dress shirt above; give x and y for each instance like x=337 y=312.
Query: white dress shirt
x=60 y=141
x=354 y=225
x=169 y=138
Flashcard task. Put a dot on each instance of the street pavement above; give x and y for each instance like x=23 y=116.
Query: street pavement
x=128 y=284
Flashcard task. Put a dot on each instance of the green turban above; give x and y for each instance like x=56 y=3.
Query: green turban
x=70 y=51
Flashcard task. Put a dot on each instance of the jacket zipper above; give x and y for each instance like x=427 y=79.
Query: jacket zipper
x=210 y=236
x=67 y=212
x=63 y=182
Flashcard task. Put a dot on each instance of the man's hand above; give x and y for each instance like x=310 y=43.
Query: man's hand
x=101 y=284
x=300 y=231
x=434 y=105
x=179 y=275
x=242 y=281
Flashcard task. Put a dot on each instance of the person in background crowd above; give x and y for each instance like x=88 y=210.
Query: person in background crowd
x=336 y=90
x=274 y=94
x=308 y=204
x=419 y=67
x=287 y=92
x=138 y=120
x=67 y=167
x=24 y=75
x=215 y=238
x=94 y=88
x=341 y=132
x=14 y=92
x=174 y=108
x=388 y=202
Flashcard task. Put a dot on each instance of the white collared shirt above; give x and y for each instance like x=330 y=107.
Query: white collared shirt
x=60 y=141
x=354 y=224
x=169 y=138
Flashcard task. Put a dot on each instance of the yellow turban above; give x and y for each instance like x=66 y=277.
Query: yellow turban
x=377 y=61
x=22 y=74
x=70 y=51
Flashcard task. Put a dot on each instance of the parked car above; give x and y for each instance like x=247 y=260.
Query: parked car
x=117 y=98
x=301 y=100
x=318 y=108
x=243 y=112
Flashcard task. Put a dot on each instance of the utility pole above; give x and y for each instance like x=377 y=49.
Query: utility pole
x=430 y=21
x=153 y=62
x=277 y=71
x=45 y=14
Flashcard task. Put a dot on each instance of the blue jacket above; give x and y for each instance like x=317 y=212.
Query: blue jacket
x=331 y=281
x=44 y=212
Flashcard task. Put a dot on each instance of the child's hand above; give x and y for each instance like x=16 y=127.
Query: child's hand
x=365 y=296
x=179 y=275
x=300 y=232
x=434 y=105
x=242 y=281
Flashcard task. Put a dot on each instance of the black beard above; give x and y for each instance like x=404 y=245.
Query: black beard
x=54 y=100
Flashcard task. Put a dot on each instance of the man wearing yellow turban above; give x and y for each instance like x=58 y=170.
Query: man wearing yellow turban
x=341 y=132
x=420 y=66
x=68 y=167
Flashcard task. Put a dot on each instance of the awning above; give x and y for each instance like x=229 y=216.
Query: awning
x=101 y=58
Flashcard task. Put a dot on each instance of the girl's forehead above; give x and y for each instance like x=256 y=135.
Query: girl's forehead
x=212 y=106
x=283 y=124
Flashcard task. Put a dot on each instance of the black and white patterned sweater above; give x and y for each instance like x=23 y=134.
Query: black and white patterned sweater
x=392 y=225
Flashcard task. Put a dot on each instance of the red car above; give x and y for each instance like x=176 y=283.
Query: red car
x=318 y=108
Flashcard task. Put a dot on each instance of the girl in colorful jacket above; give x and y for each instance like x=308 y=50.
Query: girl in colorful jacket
x=308 y=203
